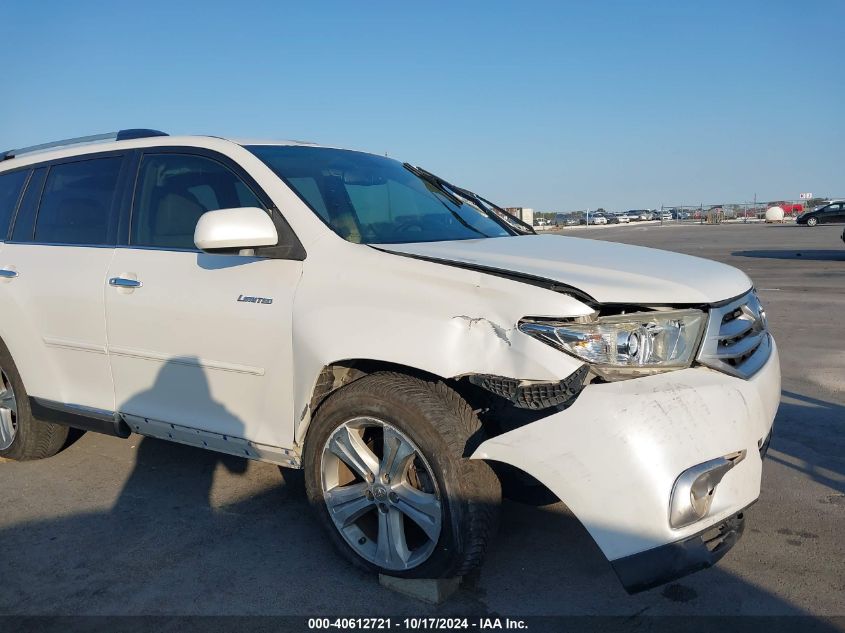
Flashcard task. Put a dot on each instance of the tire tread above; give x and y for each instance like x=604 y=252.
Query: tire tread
x=456 y=423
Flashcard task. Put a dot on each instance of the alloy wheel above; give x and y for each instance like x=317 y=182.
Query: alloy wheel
x=381 y=494
x=8 y=412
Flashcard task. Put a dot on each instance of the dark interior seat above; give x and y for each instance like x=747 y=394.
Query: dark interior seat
x=174 y=219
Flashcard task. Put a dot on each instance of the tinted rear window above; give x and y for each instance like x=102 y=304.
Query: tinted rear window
x=76 y=206
x=11 y=186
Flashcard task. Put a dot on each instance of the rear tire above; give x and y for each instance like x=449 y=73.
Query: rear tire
x=446 y=506
x=22 y=437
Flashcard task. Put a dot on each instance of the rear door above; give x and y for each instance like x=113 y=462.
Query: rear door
x=53 y=268
x=189 y=352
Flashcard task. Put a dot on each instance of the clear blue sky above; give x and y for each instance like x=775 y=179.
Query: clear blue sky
x=553 y=105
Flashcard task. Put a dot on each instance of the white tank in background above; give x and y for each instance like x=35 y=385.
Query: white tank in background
x=774 y=214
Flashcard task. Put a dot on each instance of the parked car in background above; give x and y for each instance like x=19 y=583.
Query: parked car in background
x=623 y=218
x=598 y=219
x=831 y=213
x=613 y=219
x=641 y=215
x=566 y=219
x=666 y=216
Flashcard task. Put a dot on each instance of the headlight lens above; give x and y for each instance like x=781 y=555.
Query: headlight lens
x=629 y=344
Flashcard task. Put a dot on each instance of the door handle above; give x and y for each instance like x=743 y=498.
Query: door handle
x=122 y=282
x=5 y=273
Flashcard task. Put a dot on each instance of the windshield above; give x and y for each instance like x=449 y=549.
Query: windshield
x=370 y=199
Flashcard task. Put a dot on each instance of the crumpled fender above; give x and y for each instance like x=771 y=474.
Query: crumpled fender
x=447 y=321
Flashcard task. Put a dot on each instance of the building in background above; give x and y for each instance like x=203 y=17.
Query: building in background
x=523 y=213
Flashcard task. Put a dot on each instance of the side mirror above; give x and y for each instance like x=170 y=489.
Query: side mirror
x=235 y=229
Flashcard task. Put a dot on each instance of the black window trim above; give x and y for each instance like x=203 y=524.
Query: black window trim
x=13 y=216
x=289 y=245
x=116 y=204
x=37 y=172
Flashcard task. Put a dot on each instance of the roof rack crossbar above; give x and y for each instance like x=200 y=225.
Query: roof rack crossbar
x=122 y=135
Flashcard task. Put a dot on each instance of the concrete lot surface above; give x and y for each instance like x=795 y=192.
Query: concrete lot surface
x=140 y=526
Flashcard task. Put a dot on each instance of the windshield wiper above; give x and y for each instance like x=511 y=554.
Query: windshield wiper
x=490 y=209
x=495 y=211
x=434 y=180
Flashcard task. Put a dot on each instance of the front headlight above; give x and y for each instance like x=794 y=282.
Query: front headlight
x=626 y=345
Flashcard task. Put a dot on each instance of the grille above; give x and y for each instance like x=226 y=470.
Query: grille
x=737 y=341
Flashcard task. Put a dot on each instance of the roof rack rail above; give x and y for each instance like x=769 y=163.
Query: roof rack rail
x=121 y=135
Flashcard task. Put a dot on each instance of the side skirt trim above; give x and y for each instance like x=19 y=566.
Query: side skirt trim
x=213 y=441
x=79 y=417
x=122 y=425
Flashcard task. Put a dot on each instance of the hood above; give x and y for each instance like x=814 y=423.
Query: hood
x=607 y=271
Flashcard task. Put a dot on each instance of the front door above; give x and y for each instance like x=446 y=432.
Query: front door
x=186 y=348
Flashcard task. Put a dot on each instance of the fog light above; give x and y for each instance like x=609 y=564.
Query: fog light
x=692 y=494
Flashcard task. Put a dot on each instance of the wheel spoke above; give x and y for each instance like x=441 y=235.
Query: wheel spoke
x=392 y=551
x=7 y=400
x=7 y=430
x=422 y=508
x=398 y=452
x=347 y=504
x=386 y=496
x=349 y=446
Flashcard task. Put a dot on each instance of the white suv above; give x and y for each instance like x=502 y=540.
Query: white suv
x=399 y=338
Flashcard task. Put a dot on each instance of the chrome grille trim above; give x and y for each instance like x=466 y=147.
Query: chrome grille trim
x=737 y=339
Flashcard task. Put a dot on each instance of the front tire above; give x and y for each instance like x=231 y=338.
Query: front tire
x=22 y=437
x=812 y=222
x=387 y=473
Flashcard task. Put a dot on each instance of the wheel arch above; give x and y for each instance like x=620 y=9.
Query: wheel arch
x=340 y=373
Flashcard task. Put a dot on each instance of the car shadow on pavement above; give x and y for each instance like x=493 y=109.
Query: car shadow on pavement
x=178 y=375
x=806 y=254
x=817 y=449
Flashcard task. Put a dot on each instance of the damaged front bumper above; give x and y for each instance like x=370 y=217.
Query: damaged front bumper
x=660 y=565
x=614 y=455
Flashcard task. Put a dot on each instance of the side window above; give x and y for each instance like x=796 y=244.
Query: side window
x=174 y=190
x=11 y=186
x=77 y=203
